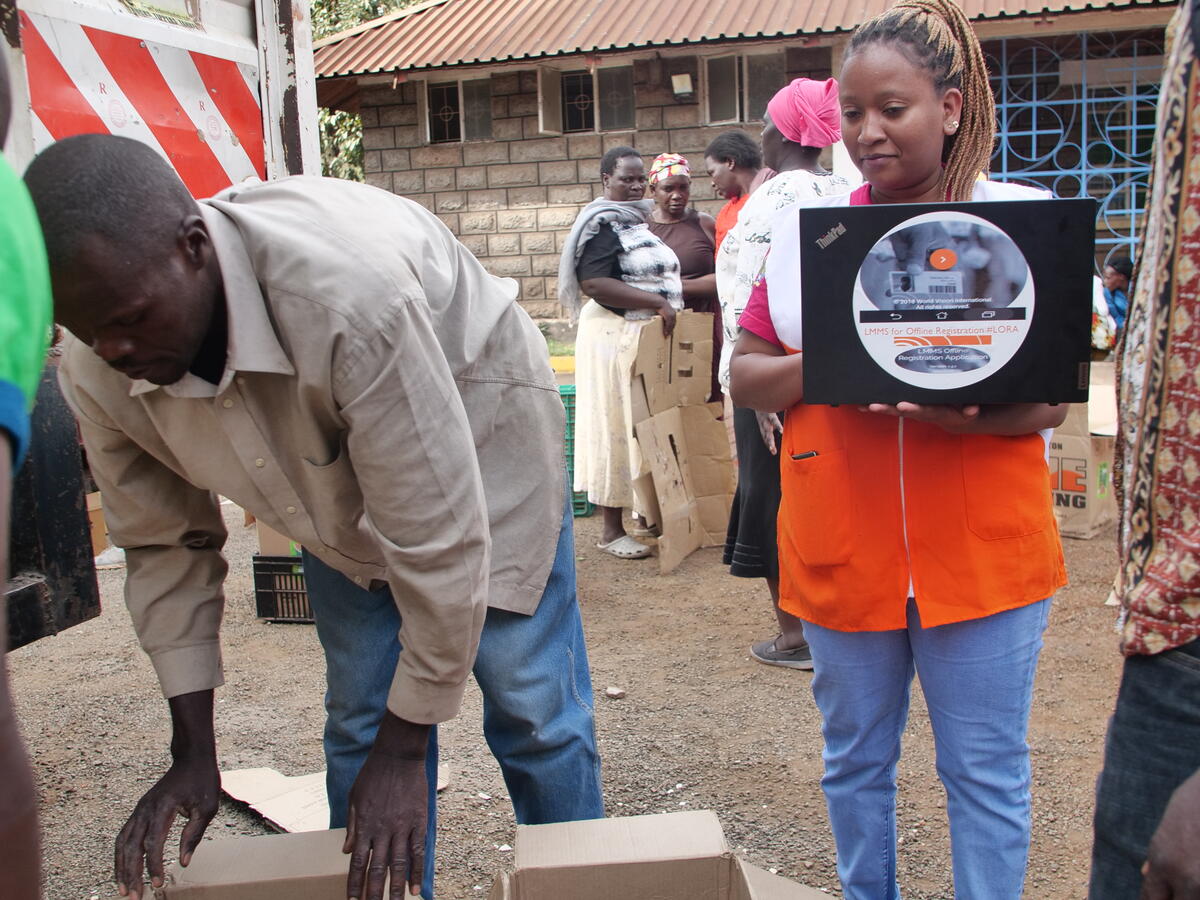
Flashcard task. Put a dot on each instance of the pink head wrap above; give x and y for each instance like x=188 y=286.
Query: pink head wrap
x=806 y=112
x=667 y=165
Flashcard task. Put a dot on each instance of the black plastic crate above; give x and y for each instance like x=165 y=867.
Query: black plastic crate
x=280 y=594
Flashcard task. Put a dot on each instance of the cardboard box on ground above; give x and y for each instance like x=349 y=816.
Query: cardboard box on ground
x=686 y=481
x=672 y=856
x=1081 y=458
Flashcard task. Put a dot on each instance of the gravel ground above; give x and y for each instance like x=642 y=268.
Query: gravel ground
x=701 y=726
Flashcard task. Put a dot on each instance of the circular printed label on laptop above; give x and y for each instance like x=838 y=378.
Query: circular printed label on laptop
x=943 y=300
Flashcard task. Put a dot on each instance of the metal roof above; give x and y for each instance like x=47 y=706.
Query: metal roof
x=444 y=33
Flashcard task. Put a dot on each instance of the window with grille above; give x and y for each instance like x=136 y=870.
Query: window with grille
x=614 y=98
x=460 y=110
x=445 y=113
x=578 y=102
x=738 y=87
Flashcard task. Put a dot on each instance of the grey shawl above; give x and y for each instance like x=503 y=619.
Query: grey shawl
x=591 y=218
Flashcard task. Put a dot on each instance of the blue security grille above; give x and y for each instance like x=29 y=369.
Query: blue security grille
x=1076 y=114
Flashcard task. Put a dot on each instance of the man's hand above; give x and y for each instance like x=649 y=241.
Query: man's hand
x=1172 y=869
x=388 y=813
x=768 y=424
x=951 y=418
x=191 y=788
x=667 y=311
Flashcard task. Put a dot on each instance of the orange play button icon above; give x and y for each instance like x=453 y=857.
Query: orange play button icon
x=943 y=259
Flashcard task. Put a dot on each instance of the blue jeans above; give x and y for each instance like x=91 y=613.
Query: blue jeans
x=1153 y=746
x=532 y=671
x=977 y=677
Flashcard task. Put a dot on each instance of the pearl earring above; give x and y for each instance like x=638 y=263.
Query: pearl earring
x=952 y=127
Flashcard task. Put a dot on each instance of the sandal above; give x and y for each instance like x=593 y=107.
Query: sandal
x=625 y=547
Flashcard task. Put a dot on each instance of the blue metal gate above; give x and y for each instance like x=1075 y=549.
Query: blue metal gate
x=1076 y=114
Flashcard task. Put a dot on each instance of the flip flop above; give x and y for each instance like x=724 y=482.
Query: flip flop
x=625 y=547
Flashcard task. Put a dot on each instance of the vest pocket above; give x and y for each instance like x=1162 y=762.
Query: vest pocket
x=817 y=499
x=1006 y=485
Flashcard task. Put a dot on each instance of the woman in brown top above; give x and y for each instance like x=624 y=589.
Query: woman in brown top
x=692 y=235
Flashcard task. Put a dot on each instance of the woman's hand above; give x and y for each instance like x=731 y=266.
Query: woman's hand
x=955 y=419
x=1002 y=419
x=667 y=311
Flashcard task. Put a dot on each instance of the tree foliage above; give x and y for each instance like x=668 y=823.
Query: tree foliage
x=341 y=132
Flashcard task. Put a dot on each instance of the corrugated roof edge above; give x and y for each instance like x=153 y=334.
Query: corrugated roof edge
x=1055 y=9
x=378 y=23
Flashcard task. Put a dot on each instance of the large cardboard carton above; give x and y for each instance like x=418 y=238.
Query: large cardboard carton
x=275 y=543
x=673 y=856
x=96 y=524
x=1081 y=458
x=672 y=371
x=686 y=450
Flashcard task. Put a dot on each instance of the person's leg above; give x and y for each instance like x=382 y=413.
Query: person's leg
x=359 y=633
x=860 y=683
x=977 y=677
x=537 y=700
x=791 y=628
x=1153 y=745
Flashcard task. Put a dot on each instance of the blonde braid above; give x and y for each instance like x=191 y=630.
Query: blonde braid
x=945 y=44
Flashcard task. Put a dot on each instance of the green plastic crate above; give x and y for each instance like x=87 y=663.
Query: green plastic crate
x=580 y=504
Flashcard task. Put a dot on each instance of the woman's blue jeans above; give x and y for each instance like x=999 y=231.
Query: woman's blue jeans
x=977 y=677
x=533 y=673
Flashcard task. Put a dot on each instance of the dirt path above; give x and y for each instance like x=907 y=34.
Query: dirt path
x=701 y=726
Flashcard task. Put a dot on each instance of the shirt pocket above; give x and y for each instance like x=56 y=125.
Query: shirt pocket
x=818 y=501
x=1006 y=485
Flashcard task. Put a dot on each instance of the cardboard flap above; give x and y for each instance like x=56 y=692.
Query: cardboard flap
x=675 y=371
x=762 y=885
x=304 y=866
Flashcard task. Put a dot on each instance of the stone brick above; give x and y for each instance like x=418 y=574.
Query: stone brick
x=477 y=222
x=408 y=92
x=396 y=160
x=373 y=161
x=536 y=150
x=529 y=82
x=523 y=105
x=508 y=83
x=612 y=139
x=656 y=95
x=369 y=116
x=380 y=180
x=517 y=175
x=556 y=217
x=378 y=138
x=412 y=182
x=476 y=243
x=542 y=309
x=691 y=140
x=426 y=200
x=451 y=202
x=533 y=288
x=524 y=197
x=702 y=188
x=380 y=95
x=649 y=117
x=439 y=179
x=499 y=107
x=682 y=116
x=652 y=143
x=408 y=136
x=571 y=193
x=504 y=244
x=481 y=200
x=544 y=264
x=477 y=154
x=516 y=219
x=583 y=145
x=552 y=291
x=537 y=242
x=507 y=129
x=470 y=177
x=589 y=172
x=507 y=266
x=437 y=156
x=531 y=128
x=450 y=221
x=398 y=115
x=560 y=240
x=562 y=172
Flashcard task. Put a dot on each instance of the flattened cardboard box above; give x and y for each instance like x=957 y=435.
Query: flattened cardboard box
x=1081 y=458
x=674 y=371
x=674 y=856
x=686 y=449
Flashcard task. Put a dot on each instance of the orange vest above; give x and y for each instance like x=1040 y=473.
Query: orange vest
x=967 y=517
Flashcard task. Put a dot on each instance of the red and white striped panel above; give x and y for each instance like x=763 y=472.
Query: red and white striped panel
x=200 y=112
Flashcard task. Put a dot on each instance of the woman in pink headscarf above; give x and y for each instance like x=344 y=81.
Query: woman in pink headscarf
x=801 y=120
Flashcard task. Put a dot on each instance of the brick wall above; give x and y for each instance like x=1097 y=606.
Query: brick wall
x=512 y=199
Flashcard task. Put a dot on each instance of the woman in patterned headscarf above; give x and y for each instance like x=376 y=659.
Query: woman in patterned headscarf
x=692 y=235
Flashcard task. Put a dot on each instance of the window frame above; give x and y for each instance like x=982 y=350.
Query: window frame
x=744 y=113
x=424 y=111
x=550 y=106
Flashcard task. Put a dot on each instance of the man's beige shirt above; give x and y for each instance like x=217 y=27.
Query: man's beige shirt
x=385 y=402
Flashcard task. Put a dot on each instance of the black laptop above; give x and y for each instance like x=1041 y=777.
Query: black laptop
x=985 y=302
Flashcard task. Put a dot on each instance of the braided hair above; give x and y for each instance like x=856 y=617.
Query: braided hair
x=937 y=36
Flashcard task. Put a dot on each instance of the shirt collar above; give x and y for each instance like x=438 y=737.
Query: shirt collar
x=253 y=345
